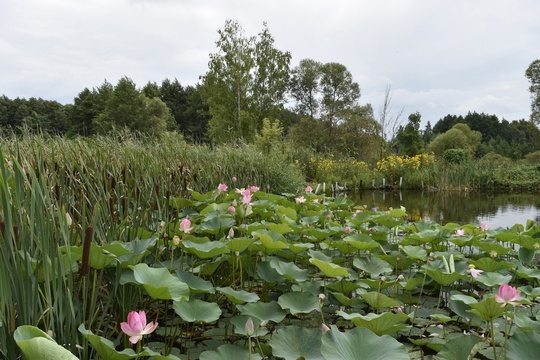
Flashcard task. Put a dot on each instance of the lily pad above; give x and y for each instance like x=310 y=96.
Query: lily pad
x=329 y=269
x=299 y=302
x=228 y=352
x=196 y=310
x=361 y=344
x=238 y=296
x=295 y=342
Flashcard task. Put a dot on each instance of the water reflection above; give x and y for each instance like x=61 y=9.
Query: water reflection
x=496 y=210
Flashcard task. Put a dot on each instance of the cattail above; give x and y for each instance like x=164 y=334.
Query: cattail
x=86 y=249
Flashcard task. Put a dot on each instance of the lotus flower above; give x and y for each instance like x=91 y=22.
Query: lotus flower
x=249 y=327
x=474 y=272
x=222 y=187
x=483 y=227
x=246 y=197
x=300 y=199
x=309 y=189
x=185 y=226
x=136 y=326
x=507 y=295
x=460 y=232
x=253 y=188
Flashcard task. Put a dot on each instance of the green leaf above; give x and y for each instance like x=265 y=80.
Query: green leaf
x=381 y=324
x=361 y=344
x=206 y=250
x=238 y=296
x=415 y=252
x=270 y=311
x=299 y=302
x=295 y=342
x=379 y=301
x=271 y=240
x=239 y=244
x=104 y=347
x=196 y=283
x=523 y=345
x=159 y=283
x=372 y=265
x=329 y=269
x=488 y=309
x=444 y=278
x=493 y=279
x=36 y=344
x=228 y=352
x=488 y=264
x=461 y=348
x=196 y=310
x=290 y=271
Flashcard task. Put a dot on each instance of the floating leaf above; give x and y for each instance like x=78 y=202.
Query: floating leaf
x=196 y=283
x=378 y=301
x=488 y=264
x=299 y=302
x=238 y=296
x=523 y=345
x=36 y=344
x=493 y=279
x=372 y=265
x=329 y=269
x=361 y=344
x=290 y=271
x=460 y=348
x=196 y=310
x=444 y=278
x=270 y=311
x=228 y=352
x=488 y=309
x=205 y=250
x=158 y=282
x=271 y=240
x=295 y=342
x=385 y=323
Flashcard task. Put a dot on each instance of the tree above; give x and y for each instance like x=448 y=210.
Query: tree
x=388 y=124
x=269 y=137
x=408 y=139
x=128 y=108
x=356 y=135
x=533 y=74
x=245 y=83
x=305 y=87
x=460 y=136
x=339 y=92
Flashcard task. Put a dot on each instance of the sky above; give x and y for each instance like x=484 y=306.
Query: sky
x=438 y=57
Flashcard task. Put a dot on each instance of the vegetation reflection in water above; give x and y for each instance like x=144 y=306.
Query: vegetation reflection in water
x=494 y=209
x=256 y=275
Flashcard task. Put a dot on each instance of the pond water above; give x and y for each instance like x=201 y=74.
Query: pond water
x=496 y=210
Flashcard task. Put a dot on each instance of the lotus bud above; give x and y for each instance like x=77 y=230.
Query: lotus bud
x=249 y=327
x=231 y=233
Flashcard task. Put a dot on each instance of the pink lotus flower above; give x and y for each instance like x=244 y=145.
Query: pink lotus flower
x=233 y=179
x=309 y=189
x=249 y=327
x=460 y=232
x=185 y=226
x=324 y=328
x=507 y=295
x=347 y=229
x=300 y=199
x=483 y=227
x=222 y=187
x=136 y=326
x=231 y=210
x=253 y=188
x=246 y=197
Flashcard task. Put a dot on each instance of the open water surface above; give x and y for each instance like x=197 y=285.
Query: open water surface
x=496 y=210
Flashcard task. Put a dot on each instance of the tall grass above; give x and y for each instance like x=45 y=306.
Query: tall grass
x=57 y=193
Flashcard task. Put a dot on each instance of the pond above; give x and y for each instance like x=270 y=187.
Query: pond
x=496 y=210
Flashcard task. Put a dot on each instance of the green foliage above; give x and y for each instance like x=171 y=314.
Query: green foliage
x=269 y=137
x=533 y=75
x=460 y=136
x=457 y=156
x=246 y=82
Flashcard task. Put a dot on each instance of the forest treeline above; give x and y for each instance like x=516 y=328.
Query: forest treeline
x=252 y=95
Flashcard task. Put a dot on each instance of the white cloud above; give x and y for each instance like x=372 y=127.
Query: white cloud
x=440 y=57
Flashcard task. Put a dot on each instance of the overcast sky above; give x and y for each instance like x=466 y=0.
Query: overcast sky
x=439 y=57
